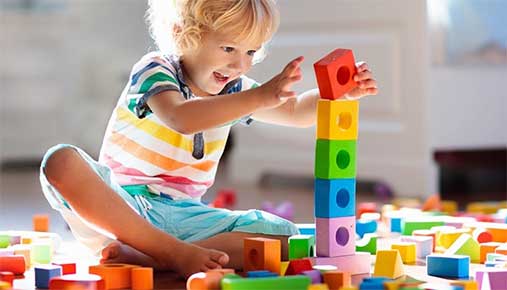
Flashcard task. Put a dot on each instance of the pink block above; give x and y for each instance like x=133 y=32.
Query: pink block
x=335 y=236
x=357 y=263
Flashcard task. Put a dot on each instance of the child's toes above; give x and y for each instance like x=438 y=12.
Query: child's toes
x=212 y=265
x=219 y=257
x=111 y=251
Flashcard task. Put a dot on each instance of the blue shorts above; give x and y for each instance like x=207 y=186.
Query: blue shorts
x=188 y=220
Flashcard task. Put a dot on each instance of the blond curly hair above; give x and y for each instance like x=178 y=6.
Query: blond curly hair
x=176 y=26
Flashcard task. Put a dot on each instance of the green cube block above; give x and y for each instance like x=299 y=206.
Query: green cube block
x=41 y=253
x=5 y=241
x=367 y=244
x=335 y=159
x=408 y=226
x=301 y=246
x=296 y=282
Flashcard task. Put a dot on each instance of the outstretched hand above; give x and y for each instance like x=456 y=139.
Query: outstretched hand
x=367 y=85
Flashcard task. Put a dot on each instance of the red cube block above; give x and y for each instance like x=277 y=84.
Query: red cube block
x=335 y=74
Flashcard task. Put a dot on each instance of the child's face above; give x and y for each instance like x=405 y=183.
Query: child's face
x=218 y=61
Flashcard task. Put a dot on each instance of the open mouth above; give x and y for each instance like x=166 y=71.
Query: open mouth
x=221 y=78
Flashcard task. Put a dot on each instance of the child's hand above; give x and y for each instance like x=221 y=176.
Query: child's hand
x=278 y=90
x=367 y=85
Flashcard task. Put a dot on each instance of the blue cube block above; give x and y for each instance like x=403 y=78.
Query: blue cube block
x=448 y=266
x=306 y=229
x=396 y=224
x=260 y=273
x=44 y=273
x=365 y=227
x=373 y=283
x=335 y=197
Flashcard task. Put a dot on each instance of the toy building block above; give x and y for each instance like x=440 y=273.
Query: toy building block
x=335 y=197
x=482 y=235
x=448 y=266
x=486 y=248
x=335 y=159
x=365 y=227
x=388 y=264
x=26 y=240
x=77 y=281
x=261 y=254
x=423 y=245
x=260 y=273
x=41 y=253
x=366 y=207
x=335 y=236
x=44 y=273
x=26 y=253
x=116 y=276
x=298 y=266
x=283 y=267
x=6 y=252
x=335 y=73
x=407 y=251
x=325 y=268
x=497 y=230
x=204 y=281
x=337 y=280
x=67 y=267
x=447 y=238
x=502 y=249
x=371 y=283
x=337 y=120
x=491 y=279
x=493 y=256
x=15 y=240
x=5 y=285
x=301 y=246
x=297 y=282
x=314 y=275
x=465 y=245
x=306 y=229
x=7 y=277
x=5 y=241
x=409 y=225
x=466 y=284
x=141 y=278
x=318 y=287
x=449 y=206
x=367 y=244
x=40 y=222
x=14 y=264
x=357 y=263
x=427 y=233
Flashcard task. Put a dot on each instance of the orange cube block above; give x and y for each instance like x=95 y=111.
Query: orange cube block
x=336 y=279
x=40 y=222
x=485 y=249
x=335 y=73
x=261 y=254
x=116 y=276
x=142 y=278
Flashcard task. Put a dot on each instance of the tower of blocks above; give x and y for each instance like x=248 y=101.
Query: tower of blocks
x=335 y=165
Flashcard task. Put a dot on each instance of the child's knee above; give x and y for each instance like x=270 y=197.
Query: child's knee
x=57 y=164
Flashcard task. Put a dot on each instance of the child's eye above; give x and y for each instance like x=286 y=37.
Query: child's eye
x=251 y=52
x=228 y=49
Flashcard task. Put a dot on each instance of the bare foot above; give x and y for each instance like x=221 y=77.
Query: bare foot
x=185 y=259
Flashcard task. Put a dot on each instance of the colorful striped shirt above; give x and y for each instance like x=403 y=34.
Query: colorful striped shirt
x=141 y=150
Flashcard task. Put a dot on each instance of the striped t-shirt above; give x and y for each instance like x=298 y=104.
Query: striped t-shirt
x=141 y=150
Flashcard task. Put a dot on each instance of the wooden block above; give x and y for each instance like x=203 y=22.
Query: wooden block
x=7 y=277
x=141 y=278
x=427 y=233
x=367 y=244
x=388 y=264
x=491 y=279
x=77 y=282
x=465 y=284
x=314 y=275
x=336 y=279
x=357 y=263
x=204 y=281
x=318 y=287
x=486 y=248
x=40 y=222
x=482 y=235
x=44 y=273
x=364 y=226
x=41 y=253
x=337 y=120
x=301 y=246
x=67 y=267
x=325 y=268
x=497 y=230
x=423 y=244
x=449 y=206
x=335 y=197
x=14 y=264
x=407 y=251
x=465 y=245
x=335 y=73
x=446 y=238
x=283 y=267
x=297 y=282
x=448 y=266
x=335 y=236
x=26 y=253
x=261 y=254
x=5 y=241
x=116 y=276
x=335 y=159
x=373 y=283
x=366 y=207
x=298 y=266
x=409 y=225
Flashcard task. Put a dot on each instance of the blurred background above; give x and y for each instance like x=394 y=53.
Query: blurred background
x=437 y=125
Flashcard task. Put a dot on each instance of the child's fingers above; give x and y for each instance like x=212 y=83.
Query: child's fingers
x=287 y=94
x=293 y=65
x=371 y=83
x=363 y=76
x=361 y=66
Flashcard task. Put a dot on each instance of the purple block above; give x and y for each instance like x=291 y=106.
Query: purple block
x=315 y=275
x=493 y=279
x=335 y=236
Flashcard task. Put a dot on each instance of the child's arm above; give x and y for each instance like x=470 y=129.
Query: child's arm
x=199 y=114
x=300 y=111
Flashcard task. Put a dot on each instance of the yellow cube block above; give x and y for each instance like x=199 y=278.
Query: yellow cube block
x=337 y=120
x=318 y=287
x=407 y=251
x=447 y=238
x=466 y=284
x=388 y=264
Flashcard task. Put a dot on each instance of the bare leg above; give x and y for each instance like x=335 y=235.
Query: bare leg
x=96 y=202
x=232 y=244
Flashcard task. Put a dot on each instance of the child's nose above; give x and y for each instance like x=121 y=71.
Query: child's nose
x=240 y=64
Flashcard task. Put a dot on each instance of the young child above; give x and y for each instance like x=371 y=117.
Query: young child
x=140 y=203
